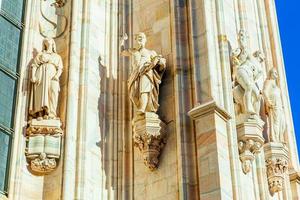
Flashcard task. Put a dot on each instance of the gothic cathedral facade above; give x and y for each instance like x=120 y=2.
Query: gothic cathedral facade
x=144 y=100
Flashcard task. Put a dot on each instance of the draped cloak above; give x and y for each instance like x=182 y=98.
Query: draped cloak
x=44 y=92
x=146 y=79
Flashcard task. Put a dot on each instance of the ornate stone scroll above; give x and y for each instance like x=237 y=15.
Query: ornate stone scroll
x=247 y=76
x=54 y=31
x=143 y=84
x=276 y=156
x=44 y=133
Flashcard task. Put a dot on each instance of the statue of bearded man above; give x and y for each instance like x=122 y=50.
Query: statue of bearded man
x=148 y=69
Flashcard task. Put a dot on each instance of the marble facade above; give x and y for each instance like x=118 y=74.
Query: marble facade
x=202 y=144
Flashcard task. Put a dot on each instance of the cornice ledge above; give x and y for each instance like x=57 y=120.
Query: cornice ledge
x=294 y=176
x=210 y=107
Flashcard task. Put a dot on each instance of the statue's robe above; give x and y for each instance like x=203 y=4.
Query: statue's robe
x=272 y=96
x=146 y=79
x=44 y=92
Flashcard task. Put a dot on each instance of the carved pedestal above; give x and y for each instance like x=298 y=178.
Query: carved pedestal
x=150 y=137
x=250 y=140
x=43 y=145
x=276 y=156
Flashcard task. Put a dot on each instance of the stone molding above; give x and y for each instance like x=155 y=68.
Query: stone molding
x=294 y=176
x=210 y=107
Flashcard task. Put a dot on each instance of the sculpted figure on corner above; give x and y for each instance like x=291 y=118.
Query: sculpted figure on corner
x=246 y=75
x=148 y=68
x=45 y=72
x=274 y=105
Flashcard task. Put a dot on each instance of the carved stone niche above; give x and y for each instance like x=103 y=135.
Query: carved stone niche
x=250 y=141
x=150 y=137
x=276 y=157
x=43 y=145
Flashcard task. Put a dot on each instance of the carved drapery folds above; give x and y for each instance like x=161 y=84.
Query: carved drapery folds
x=276 y=152
x=143 y=84
x=247 y=76
x=274 y=108
x=44 y=133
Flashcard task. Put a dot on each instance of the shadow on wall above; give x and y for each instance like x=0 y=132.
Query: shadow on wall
x=107 y=125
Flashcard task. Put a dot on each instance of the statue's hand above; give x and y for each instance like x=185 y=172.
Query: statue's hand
x=123 y=39
x=33 y=79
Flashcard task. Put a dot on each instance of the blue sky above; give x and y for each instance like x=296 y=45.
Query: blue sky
x=288 y=14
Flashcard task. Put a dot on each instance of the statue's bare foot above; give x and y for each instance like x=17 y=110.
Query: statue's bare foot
x=39 y=118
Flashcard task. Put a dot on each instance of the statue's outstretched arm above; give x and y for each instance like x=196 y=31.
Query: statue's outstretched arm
x=123 y=50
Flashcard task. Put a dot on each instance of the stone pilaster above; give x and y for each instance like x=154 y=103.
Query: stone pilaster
x=212 y=151
x=276 y=157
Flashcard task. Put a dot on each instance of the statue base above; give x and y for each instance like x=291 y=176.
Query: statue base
x=250 y=140
x=43 y=145
x=276 y=155
x=149 y=136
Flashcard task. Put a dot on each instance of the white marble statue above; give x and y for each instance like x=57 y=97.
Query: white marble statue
x=148 y=68
x=247 y=73
x=274 y=107
x=45 y=72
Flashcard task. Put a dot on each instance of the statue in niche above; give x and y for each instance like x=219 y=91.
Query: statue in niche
x=149 y=133
x=148 y=68
x=274 y=107
x=45 y=72
x=247 y=73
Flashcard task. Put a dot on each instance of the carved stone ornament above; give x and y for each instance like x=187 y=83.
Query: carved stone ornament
x=44 y=133
x=276 y=155
x=143 y=86
x=150 y=137
x=43 y=145
x=56 y=30
x=250 y=141
x=247 y=77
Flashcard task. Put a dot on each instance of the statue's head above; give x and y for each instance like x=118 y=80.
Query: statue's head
x=141 y=39
x=49 y=45
x=273 y=74
x=243 y=38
